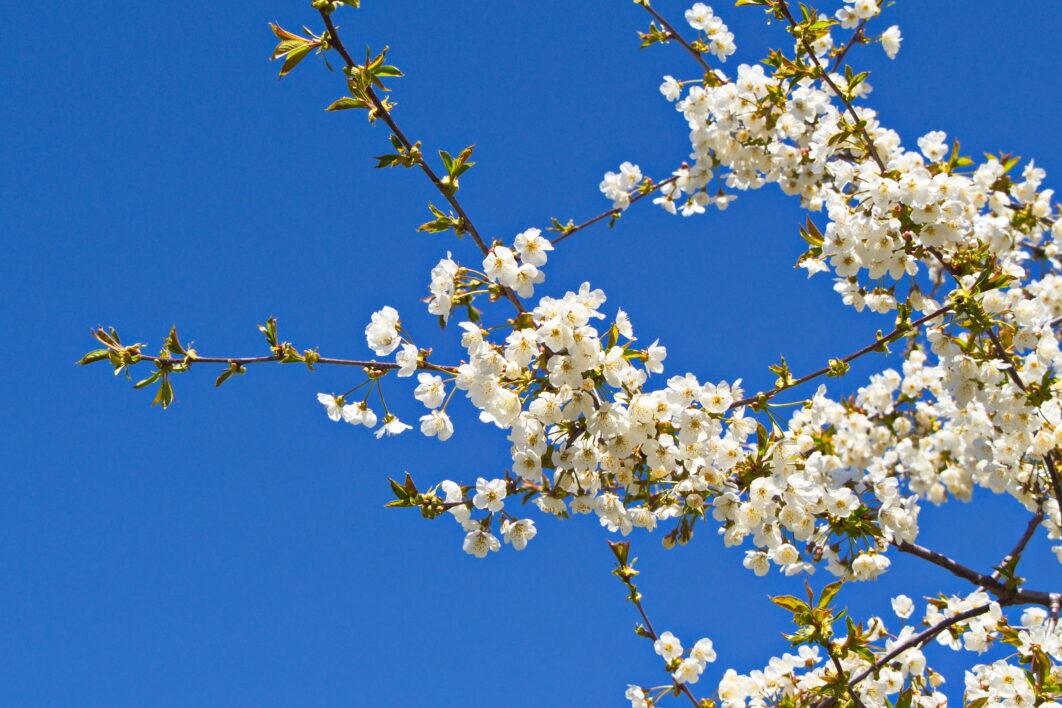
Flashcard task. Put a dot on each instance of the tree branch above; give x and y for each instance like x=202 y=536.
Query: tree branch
x=1005 y=595
x=276 y=359
x=385 y=115
x=764 y=396
x=1019 y=547
x=639 y=195
x=857 y=35
x=920 y=639
x=678 y=38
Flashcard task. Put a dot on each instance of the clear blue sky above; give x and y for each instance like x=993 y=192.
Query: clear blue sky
x=233 y=550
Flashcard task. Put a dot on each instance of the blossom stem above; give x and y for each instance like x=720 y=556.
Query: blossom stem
x=385 y=115
x=618 y=210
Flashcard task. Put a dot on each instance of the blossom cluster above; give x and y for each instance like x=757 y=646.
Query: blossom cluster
x=975 y=401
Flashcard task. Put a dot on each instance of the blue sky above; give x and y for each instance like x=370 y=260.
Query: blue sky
x=233 y=550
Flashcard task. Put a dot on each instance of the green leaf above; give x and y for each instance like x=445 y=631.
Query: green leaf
x=290 y=62
x=410 y=487
x=810 y=233
x=269 y=329
x=94 y=356
x=387 y=71
x=347 y=103
x=173 y=343
x=448 y=161
x=148 y=381
x=790 y=603
x=398 y=490
x=234 y=368
x=165 y=393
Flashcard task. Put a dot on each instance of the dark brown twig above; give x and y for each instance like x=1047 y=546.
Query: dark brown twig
x=385 y=115
x=678 y=38
x=610 y=212
x=764 y=396
x=1019 y=547
x=921 y=639
x=1006 y=595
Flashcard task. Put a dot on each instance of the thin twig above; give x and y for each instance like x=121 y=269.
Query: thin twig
x=764 y=396
x=920 y=639
x=242 y=361
x=1019 y=547
x=678 y=38
x=617 y=210
x=385 y=115
x=857 y=35
x=654 y=636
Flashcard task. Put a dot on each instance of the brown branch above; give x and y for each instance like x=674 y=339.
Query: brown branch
x=920 y=639
x=678 y=38
x=1019 y=547
x=381 y=110
x=1006 y=595
x=764 y=396
x=610 y=212
x=856 y=36
x=242 y=361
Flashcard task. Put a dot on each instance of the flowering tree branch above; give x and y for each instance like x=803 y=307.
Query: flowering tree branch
x=664 y=644
x=1007 y=594
x=860 y=124
x=672 y=33
x=976 y=402
x=384 y=113
x=838 y=366
x=919 y=640
x=638 y=194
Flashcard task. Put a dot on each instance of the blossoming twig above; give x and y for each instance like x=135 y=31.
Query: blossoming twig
x=639 y=194
x=871 y=150
x=385 y=115
x=678 y=37
x=856 y=36
x=920 y=640
x=242 y=361
x=764 y=396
